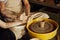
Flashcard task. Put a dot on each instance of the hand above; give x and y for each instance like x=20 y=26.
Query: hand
x=29 y=14
x=34 y=39
x=23 y=17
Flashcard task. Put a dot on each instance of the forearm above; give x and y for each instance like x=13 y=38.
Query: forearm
x=2 y=6
x=13 y=24
x=10 y=24
x=27 y=7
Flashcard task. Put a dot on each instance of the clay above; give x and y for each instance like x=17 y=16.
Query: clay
x=36 y=27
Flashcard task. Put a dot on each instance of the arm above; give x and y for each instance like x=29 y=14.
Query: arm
x=9 y=25
x=27 y=7
x=2 y=5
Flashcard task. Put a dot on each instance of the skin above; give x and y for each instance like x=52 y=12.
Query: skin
x=12 y=24
x=27 y=7
x=2 y=6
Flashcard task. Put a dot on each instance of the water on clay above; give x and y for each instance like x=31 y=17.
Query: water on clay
x=36 y=27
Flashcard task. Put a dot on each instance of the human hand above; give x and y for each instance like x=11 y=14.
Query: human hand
x=34 y=39
x=23 y=17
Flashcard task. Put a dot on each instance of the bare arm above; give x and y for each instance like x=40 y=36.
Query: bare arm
x=9 y=25
x=2 y=6
x=27 y=7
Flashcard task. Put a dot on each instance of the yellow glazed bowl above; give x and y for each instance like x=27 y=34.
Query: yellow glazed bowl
x=45 y=36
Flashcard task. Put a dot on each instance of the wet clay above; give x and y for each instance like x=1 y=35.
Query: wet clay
x=36 y=27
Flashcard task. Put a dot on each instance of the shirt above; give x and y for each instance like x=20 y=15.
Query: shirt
x=3 y=0
x=13 y=5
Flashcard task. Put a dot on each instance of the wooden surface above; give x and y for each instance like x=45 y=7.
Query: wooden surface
x=58 y=37
x=48 y=3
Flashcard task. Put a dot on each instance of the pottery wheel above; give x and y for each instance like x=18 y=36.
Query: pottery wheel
x=35 y=27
